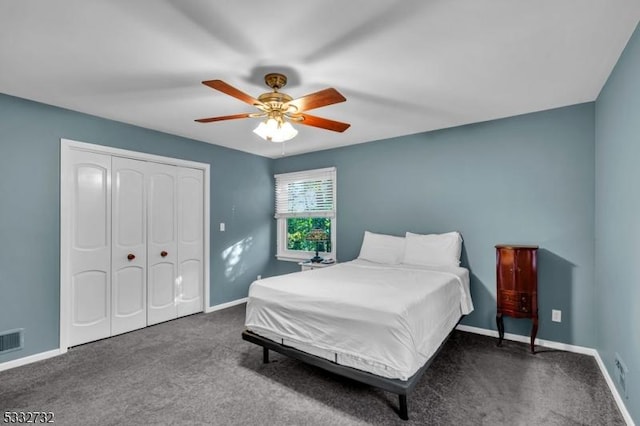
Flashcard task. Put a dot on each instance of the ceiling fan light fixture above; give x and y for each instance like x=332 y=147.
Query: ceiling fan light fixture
x=277 y=108
x=274 y=131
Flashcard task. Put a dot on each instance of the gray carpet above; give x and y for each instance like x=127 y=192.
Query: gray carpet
x=197 y=370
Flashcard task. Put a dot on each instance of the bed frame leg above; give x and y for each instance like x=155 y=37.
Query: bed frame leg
x=404 y=411
x=265 y=355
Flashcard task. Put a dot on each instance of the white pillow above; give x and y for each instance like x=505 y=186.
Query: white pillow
x=382 y=248
x=432 y=249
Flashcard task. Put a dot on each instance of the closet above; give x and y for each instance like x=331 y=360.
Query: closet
x=132 y=242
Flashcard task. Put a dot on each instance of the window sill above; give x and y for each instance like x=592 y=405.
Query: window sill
x=302 y=257
x=293 y=258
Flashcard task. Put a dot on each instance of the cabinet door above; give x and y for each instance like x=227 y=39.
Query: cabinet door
x=527 y=278
x=162 y=243
x=129 y=246
x=505 y=269
x=526 y=270
x=88 y=191
x=190 y=212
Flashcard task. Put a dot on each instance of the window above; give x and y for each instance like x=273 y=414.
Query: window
x=306 y=200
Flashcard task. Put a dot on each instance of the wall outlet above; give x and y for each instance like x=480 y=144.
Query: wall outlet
x=222 y=227
x=259 y=277
x=556 y=315
x=621 y=372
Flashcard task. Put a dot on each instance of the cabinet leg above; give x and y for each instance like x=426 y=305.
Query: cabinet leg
x=500 y=324
x=534 y=332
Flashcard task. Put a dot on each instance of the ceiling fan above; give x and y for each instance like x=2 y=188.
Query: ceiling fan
x=279 y=109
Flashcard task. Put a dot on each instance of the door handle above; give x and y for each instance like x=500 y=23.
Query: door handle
x=131 y=256
x=163 y=253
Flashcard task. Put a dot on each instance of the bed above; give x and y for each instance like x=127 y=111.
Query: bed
x=381 y=323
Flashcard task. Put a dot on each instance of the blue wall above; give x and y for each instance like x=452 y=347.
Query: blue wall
x=526 y=179
x=618 y=220
x=241 y=196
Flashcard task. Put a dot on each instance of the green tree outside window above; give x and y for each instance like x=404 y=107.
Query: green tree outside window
x=299 y=227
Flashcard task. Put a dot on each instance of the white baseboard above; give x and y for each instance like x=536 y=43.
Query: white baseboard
x=225 y=305
x=526 y=339
x=30 y=359
x=563 y=347
x=614 y=390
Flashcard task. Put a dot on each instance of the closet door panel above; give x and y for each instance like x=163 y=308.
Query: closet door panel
x=91 y=209
x=162 y=243
x=129 y=246
x=90 y=246
x=162 y=293
x=129 y=298
x=190 y=241
x=90 y=296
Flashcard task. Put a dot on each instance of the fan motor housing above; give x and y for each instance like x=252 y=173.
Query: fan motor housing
x=274 y=97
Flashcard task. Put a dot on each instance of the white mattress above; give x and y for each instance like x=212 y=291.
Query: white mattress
x=384 y=319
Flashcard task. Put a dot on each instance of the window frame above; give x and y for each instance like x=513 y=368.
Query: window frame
x=282 y=253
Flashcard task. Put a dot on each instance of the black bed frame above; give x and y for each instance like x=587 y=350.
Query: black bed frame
x=400 y=387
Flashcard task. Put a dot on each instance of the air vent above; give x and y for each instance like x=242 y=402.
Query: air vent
x=11 y=340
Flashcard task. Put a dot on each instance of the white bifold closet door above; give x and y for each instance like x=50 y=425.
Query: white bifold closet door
x=190 y=241
x=175 y=242
x=89 y=246
x=137 y=244
x=162 y=243
x=129 y=246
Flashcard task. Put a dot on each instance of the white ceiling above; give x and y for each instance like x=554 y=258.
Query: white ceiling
x=405 y=66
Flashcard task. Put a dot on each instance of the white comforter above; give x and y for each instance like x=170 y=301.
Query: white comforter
x=384 y=319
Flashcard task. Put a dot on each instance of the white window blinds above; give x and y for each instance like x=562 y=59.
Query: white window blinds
x=310 y=193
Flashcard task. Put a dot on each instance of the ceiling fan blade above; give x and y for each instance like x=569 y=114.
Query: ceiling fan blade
x=318 y=99
x=222 y=118
x=232 y=91
x=323 y=123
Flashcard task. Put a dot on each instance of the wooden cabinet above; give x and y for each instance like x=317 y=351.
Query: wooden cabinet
x=517 y=286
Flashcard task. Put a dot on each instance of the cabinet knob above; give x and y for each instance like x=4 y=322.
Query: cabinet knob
x=131 y=256
x=163 y=253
